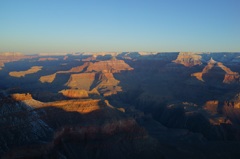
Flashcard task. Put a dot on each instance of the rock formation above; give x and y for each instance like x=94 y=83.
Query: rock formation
x=12 y=56
x=21 y=97
x=113 y=66
x=32 y=70
x=51 y=78
x=188 y=59
x=75 y=93
x=48 y=78
x=81 y=81
x=229 y=77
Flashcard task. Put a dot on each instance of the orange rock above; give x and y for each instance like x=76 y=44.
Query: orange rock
x=75 y=93
x=32 y=70
x=48 y=78
x=21 y=97
x=188 y=59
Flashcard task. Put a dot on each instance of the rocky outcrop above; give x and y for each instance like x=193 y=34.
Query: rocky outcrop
x=107 y=84
x=81 y=81
x=75 y=93
x=113 y=66
x=104 y=82
x=76 y=69
x=20 y=125
x=32 y=70
x=51 y=78
x=210 y=65
x=229 y=77
x=48 y=78
x=188 y=59
x=21 y=97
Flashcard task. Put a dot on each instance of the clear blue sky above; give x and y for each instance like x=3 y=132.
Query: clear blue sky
x=33 y=26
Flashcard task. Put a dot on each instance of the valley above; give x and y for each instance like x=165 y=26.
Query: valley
x=120 y=105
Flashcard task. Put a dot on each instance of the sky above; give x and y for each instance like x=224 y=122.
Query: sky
x=37 y=26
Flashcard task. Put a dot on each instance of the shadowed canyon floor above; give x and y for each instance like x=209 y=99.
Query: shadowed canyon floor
x=120 y=105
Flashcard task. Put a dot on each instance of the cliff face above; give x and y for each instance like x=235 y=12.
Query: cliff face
x=20 y=124
x=112 y=66
x=81 y=81
x=188 y=59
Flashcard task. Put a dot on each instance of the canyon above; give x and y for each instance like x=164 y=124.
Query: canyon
x=120 y=105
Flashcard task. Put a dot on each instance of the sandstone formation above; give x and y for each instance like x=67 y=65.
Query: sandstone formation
x=48 y=78
x=32 y=70
x=81 y=81
x=21 y=97
x=113 y=66
x=188 y=59
x=51 y=78
x=229 y=77
x=104 y=82
x=75 y=93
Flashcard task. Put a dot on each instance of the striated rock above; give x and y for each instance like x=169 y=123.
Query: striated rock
x=104 y=82
x=188 y=59
x=107 y=84
x=229 y=77
x=210 y=65
x=32 y=70
x=113 y=66
x=75 y=93
x=81 y=81
x=51 y=78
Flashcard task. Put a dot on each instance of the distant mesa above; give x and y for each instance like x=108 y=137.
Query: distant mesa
x=32 y=70
x=229 y=77
x=188 y=59
x=12 y=56
x=91 y=58
x=113 y=66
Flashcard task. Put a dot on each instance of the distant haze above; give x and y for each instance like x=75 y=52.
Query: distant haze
x=34 y=26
